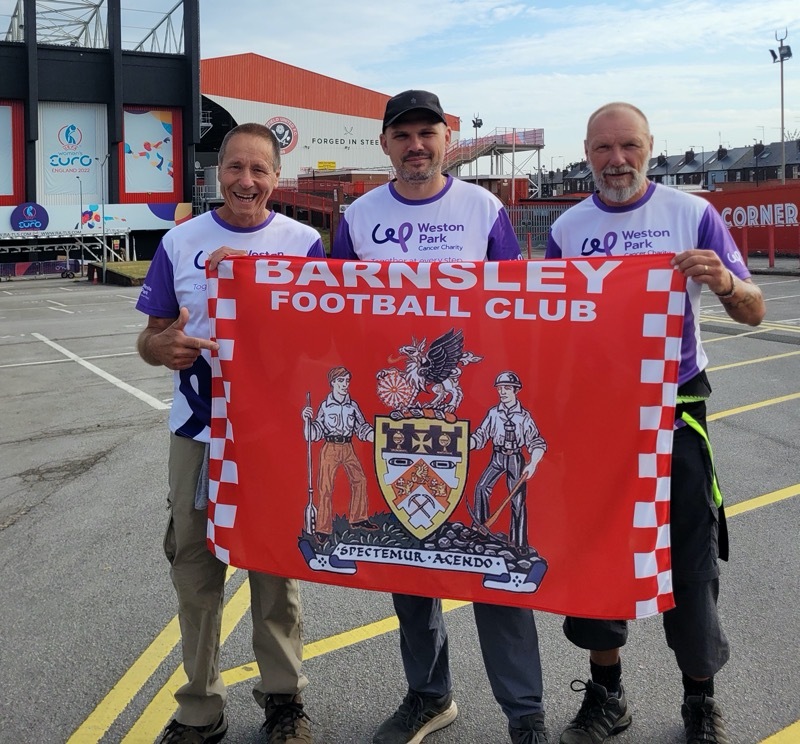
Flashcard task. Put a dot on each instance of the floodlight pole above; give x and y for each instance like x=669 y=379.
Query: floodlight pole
x=784 y=53
x=477 y=122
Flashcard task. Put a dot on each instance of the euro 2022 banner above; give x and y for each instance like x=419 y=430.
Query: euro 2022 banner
x=497 y=432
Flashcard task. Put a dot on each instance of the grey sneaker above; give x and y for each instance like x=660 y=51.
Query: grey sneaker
x=417 y=716
x=532 y=731
x=286 y=721
x=601 y=715
x=180 y=733
x=702 y=720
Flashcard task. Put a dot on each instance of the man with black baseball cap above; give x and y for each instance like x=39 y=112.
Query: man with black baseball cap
x=392 y=223
x=412 y=100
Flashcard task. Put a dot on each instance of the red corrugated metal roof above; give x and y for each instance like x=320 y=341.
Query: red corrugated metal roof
x=251 y=77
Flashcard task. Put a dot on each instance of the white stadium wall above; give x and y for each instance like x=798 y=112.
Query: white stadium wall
x=311 y=138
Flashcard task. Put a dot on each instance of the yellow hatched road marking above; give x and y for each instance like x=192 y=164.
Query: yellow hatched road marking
x=162 y=706
x=765 y=325
x=759 y=360
x=789 y=735
x=752 y=406
x=765 y=500
x=157 y=714
x=111 y=706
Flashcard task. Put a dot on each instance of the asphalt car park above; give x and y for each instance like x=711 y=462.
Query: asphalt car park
x=89 y=645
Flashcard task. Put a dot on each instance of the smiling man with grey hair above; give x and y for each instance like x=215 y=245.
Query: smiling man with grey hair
x=627 y=216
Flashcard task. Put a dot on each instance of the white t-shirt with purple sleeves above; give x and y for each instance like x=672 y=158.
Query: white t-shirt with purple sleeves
x=177 y=278
x=664 y=220
x=463 y=222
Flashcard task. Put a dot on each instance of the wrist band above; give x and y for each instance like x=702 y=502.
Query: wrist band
x=726 y=295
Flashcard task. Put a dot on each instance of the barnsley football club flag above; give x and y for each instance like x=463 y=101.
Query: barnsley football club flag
x=498 y=432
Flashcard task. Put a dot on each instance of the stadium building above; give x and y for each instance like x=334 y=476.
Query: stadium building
x=113 y=131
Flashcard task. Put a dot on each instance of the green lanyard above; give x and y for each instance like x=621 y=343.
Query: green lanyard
x=695 y=424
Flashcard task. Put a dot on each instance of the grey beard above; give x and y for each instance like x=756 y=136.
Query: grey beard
x=621 y=194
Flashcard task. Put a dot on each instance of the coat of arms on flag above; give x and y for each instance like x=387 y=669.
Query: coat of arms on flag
x=421 y=462
x=421 y=465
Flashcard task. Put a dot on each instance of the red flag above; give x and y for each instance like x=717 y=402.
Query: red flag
x=498 y=432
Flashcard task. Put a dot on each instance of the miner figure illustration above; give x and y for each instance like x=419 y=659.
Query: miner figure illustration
x=509 y=427
x=338 y=420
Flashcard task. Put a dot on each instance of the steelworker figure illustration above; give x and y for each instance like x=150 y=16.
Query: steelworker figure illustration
x=338 y=420
x=509 y=427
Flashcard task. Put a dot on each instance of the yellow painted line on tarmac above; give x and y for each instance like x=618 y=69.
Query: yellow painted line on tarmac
x=732 y=336
x=759 y=360
x=789 y=735
x=765 y=325
x=103 y=716
x=336 y=642
x=119 y=697
x=752 y=406
x=765 y=500
x=157 y=714
x=162 y=706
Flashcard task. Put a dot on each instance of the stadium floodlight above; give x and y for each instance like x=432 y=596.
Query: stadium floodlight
x=784 y=53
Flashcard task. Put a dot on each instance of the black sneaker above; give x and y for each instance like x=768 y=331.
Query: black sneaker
x=286 y=721
x=601 y=715
x=417 y=716
x=702 y=720
x=532 y=731
x=180 y=733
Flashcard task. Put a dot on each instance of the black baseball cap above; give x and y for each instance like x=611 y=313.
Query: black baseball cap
x=411 y=100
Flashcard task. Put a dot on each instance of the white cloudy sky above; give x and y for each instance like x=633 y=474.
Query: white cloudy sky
x=700 y=70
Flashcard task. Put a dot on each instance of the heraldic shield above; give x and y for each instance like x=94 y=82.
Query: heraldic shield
x=421 y=464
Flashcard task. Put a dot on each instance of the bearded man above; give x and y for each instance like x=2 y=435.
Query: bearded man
x=618 y=147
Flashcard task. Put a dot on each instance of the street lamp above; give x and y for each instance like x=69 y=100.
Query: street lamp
x=784 y=53
x=477 y=122
x=103 y=208
x=80 y=198
x=80 y=218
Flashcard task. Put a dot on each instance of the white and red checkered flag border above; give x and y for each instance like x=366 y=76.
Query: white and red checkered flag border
x=651 y=568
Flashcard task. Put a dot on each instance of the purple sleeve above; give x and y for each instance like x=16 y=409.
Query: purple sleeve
x=342 y=243
x=553 y=249
x=157 y=297
x=317 y=250
x=712 y=235
x=503 y=243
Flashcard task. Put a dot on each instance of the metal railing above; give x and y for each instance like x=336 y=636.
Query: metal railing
x=467 y=150
x=532 y=222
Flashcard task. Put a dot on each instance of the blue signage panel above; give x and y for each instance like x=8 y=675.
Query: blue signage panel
x=29 y=216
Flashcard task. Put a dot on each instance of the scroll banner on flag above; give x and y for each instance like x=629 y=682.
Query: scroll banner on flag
x=498 y=432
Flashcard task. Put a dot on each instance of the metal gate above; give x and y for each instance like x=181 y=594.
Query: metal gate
x=532 y=222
